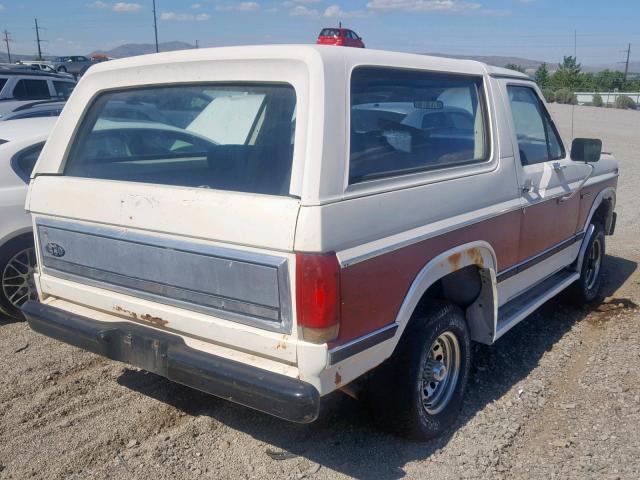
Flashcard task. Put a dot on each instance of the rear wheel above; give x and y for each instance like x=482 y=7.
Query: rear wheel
x=587 y=287
x=17 y=266
x=418 y=392
x=62 y=69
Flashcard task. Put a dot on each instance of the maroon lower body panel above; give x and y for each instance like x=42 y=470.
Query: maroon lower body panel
x=373 y=290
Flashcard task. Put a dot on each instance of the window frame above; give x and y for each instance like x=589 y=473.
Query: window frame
x=425 y=175
x=545 y=114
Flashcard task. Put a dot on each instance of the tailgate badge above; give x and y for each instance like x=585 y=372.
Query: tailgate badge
x=55 y=249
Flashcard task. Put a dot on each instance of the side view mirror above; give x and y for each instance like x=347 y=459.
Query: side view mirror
x=586 y=149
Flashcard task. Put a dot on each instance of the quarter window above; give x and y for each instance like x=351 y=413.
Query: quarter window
x=24 y=161
x=538 y=139
x=405 y=121
x=63 y=89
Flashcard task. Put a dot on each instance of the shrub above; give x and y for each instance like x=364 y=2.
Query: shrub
x=623 y=101
x=564 y=95
x=597 y=101
x=549 y=96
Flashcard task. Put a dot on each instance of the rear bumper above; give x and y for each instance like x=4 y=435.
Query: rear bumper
x=166 y=354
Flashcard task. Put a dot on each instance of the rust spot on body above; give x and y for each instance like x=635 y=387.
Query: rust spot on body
x=118 y=308
x=157 y=321
x=338 y=379
x=454 y=261
x=476 y=256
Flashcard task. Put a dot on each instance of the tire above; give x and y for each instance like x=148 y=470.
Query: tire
x=17 y=263
x=402 y=401
x=587 y=287
x=62 y=69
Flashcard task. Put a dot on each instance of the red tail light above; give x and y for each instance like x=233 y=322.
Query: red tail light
x=318 y=296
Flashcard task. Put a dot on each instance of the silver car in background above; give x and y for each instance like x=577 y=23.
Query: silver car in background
x=76 y=65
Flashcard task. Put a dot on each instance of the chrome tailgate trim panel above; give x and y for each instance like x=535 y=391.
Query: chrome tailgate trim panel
x=244 y=287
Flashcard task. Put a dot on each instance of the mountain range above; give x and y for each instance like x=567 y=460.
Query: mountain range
x=133 y=49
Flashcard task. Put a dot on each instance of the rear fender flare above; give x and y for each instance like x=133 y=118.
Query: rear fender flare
x=482 y=314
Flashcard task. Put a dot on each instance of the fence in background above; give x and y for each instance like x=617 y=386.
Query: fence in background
x=608 y=98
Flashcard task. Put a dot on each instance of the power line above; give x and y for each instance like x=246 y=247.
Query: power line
x=7 y=40
x=155 y=24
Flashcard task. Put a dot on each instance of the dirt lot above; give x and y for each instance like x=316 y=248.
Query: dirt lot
x=557 y=397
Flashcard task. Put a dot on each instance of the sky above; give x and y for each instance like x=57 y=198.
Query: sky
x=534 y=29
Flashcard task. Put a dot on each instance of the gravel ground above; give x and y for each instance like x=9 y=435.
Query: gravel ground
x=557 y=397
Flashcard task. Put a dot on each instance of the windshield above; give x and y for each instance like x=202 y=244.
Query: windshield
x=222 y=136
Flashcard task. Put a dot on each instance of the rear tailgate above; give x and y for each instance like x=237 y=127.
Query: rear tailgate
x=212 y=265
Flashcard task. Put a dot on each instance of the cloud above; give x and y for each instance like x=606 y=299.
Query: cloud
x=239 y=7
x=184 y=17
x=454 y=6
x=334 y=11
x=195 y=6
x=305 y=12
x=127 y=7
x=120 y=7
x=1 y=7
x=98 y=5
x=248 y=7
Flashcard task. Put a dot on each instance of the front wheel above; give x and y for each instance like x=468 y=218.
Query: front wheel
x=587 y=287
x=62 y=69
x=418 y=392
x=17 y=266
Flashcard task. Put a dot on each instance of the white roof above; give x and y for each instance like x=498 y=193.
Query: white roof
x=324 y=53
x=24 y=128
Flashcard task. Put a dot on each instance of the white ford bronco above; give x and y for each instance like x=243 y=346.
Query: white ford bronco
x=270 y=224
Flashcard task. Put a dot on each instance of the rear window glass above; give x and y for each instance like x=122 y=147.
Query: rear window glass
x=405 y=121
x=228 y=136
x=330 y=32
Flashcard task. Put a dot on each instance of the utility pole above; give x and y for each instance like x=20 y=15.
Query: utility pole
x=37 y=28
x=7 y=40
x=155 y=25
x=626 y=66
x=197 y=46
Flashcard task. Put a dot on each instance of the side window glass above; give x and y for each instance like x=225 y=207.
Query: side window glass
x=2 y=82
x=406 y=121
x=31 y=90
x=538 y=140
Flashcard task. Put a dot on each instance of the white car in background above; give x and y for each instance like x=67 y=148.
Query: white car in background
x=20 y=144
